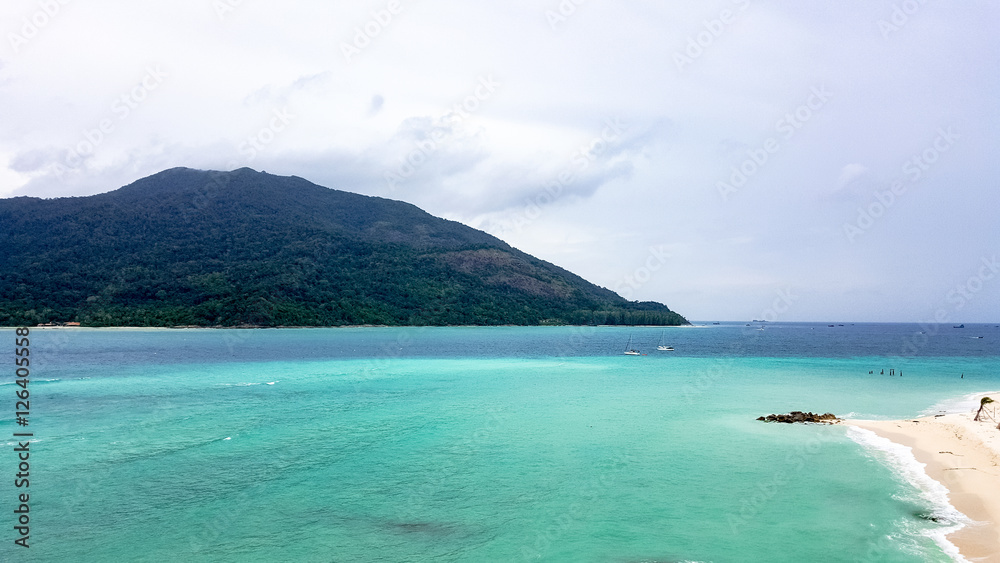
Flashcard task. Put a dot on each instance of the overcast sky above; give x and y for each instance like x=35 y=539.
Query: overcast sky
x=734 y=159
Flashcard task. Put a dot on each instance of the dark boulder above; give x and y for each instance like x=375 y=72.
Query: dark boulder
x=799 y=416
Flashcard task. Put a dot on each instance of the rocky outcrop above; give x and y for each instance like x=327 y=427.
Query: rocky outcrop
x=799 y=416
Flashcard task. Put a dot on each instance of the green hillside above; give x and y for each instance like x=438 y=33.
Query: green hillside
x=191 y=247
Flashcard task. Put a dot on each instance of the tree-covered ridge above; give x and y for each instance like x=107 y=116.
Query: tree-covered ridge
x=189 y=247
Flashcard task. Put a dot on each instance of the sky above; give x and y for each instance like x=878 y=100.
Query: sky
x=733 y=159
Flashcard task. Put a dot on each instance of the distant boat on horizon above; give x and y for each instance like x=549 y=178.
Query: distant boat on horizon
x=663 y=347
x=629 y=351
x=959 y=326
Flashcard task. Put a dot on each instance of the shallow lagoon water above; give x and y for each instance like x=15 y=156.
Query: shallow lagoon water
x=485 y=444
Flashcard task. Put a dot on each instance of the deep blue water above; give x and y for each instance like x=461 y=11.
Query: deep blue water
x=807 y=340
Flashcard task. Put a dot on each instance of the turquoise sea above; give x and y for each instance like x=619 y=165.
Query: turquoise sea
x=483 y=444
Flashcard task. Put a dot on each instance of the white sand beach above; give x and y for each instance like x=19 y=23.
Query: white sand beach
x=964 y=456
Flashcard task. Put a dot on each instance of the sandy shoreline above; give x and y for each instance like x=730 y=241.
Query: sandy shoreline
x=964 y=456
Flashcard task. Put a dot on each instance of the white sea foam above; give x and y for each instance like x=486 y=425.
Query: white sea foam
x=900 y=460
x=965 y=403
x=38 y=380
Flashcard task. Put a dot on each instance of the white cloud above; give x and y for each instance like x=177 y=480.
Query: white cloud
x=849 y=173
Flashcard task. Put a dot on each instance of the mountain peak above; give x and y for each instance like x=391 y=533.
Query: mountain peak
x=203 y=247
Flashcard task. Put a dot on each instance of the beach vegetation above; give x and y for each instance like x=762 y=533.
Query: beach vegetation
x=982 y=404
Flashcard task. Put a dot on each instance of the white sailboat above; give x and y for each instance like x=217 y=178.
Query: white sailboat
x=629 y=351
x=663 y=347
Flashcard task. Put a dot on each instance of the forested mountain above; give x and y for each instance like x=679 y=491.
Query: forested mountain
x=192 y=247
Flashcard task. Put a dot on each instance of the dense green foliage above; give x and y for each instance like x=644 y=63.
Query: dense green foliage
x=189 y=247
